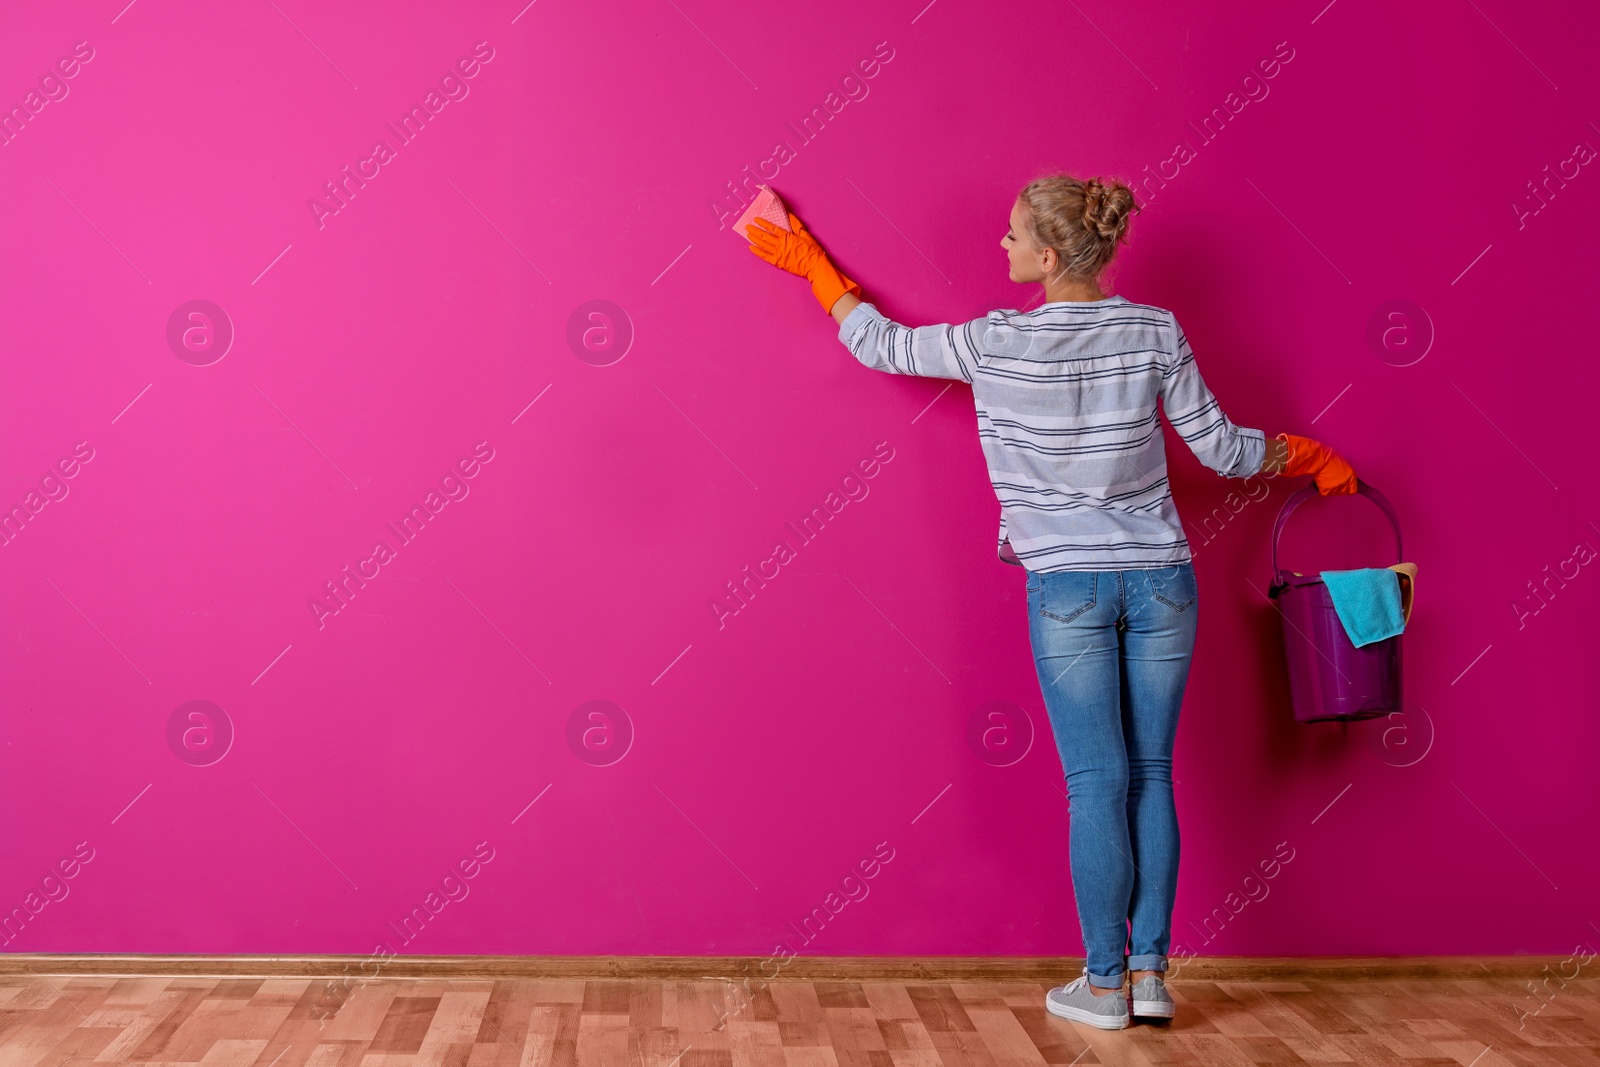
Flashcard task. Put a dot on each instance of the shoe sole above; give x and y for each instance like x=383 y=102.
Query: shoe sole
x=1154 y=1009
x=1078 y=1015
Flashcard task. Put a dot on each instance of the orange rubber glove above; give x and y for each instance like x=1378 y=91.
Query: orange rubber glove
x=799 y=253
x=1332 y=473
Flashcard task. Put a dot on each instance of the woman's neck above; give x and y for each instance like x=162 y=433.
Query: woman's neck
x=1073 y=290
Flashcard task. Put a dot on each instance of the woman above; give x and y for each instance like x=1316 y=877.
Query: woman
x=1066 y=401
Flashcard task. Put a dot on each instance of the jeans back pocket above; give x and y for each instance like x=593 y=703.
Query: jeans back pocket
x=1064 y=595
x=1174 y=586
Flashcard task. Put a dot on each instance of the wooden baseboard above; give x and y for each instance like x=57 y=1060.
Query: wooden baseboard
x=1041 y=969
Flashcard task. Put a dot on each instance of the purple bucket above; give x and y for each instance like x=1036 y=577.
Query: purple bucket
x=1330 y=679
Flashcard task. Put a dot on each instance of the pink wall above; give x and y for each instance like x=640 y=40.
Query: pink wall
x=828 y=723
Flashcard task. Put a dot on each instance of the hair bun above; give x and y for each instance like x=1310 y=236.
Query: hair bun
x=1106 y=208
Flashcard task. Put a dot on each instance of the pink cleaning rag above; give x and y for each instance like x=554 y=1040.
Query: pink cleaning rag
x=767 y=206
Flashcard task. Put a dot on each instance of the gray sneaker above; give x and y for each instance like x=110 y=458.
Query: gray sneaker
x=1074 y=1001
x=1150 y=999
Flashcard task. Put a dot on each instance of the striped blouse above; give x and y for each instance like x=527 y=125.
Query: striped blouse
x=1066 y=399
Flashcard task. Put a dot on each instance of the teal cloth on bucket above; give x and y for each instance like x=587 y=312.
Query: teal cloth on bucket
x=1367 y=601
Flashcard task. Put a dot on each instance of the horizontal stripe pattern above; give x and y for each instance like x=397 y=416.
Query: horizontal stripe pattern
x=1066 y=398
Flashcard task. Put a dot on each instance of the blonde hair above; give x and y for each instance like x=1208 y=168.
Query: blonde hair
x=1083 y=220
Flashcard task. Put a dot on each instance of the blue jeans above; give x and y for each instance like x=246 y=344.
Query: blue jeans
x=1112 y=649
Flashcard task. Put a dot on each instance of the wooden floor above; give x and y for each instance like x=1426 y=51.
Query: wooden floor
x=289 y=1022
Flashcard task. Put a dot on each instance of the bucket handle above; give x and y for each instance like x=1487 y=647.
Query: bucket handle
x=1300 y=496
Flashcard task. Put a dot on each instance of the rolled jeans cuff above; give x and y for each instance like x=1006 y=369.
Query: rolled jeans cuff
x=1152 y=962
x=1113 y=981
